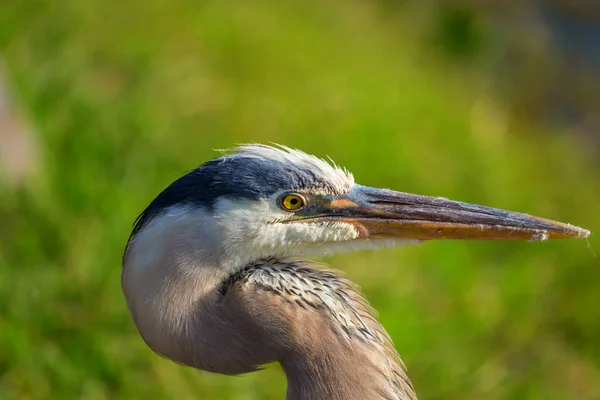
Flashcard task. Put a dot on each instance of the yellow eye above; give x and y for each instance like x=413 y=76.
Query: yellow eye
x=292 y=202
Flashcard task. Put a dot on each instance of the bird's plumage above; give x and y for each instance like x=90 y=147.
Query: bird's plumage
x=319 y=303
x=249 y=172
x=193 y=310
x=213 y=279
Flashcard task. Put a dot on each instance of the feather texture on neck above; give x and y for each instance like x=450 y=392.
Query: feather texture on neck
x=333 y=338
x=196 y=310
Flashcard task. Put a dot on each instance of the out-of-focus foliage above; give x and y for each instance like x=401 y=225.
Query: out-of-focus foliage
x=126 y=96
x=542 y=58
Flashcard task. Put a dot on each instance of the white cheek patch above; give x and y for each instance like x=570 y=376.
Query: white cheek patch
x=253 y=229
x=322 y=249
x=300 y=238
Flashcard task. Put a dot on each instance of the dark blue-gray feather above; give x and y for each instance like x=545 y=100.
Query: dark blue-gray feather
x=236 y=176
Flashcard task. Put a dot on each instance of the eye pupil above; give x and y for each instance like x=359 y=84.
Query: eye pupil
x=294 y=201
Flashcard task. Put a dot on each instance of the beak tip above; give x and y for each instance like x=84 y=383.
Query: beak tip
x=583 y=233
x=576 y=232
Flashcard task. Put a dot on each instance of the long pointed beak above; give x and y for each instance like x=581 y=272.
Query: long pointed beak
x=380 y=213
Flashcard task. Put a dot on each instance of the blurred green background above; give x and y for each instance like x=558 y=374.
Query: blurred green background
x=106 y=102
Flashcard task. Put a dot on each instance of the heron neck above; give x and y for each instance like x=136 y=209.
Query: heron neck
x=332 y=346
x=330 y=370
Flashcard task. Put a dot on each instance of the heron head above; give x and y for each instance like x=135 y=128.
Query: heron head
x=274 y=201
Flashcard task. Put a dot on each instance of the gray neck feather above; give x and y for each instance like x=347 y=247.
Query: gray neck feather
x=315 y=323
x=336 y=347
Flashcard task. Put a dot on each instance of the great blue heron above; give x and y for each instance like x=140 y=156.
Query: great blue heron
x=212 y=277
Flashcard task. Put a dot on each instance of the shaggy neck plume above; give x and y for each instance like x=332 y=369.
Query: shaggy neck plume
x=333 y=338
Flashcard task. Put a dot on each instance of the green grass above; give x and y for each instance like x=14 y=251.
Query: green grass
x=127 y=96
